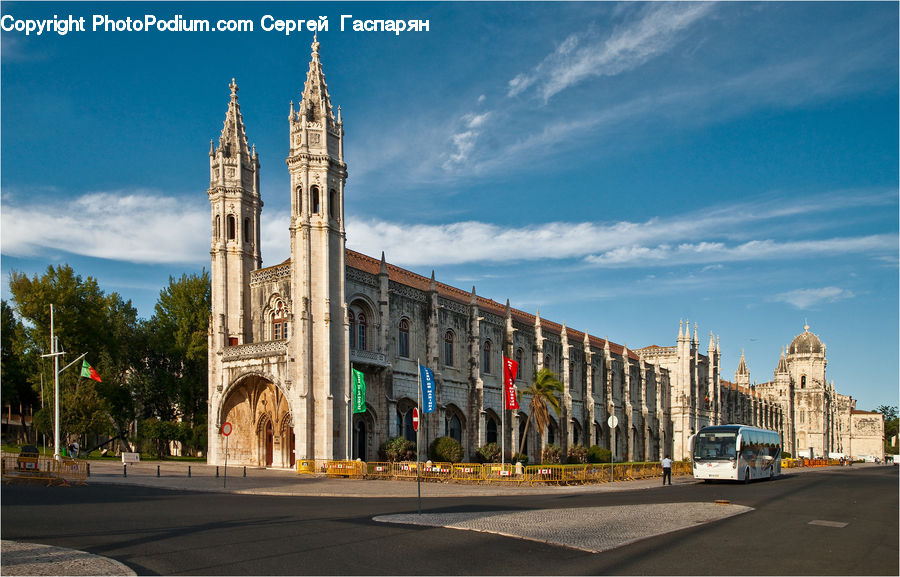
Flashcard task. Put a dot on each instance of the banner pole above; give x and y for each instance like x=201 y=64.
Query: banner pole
x=418 y=436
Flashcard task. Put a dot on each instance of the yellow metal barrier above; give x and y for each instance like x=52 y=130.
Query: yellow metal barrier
x=306 y=467
x=405 y=470
x=379 y=470
x=467 y=472
x=43 y=468
x=438 y=471
x=345 y=469
x=543 y=474
x=502 y=473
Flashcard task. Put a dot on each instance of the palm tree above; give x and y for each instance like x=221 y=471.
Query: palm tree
x=543 y=391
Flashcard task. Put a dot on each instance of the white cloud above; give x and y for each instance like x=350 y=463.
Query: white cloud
x=808 y=298
x=140 y=226
x=580 y=57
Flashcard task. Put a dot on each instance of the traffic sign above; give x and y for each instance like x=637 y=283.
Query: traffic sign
x=415 y=419
x=612 y=421
x=226 y=428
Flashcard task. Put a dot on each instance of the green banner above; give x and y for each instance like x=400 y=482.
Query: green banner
x=359 y=392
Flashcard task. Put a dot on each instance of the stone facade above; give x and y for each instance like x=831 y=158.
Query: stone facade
x=283 y=339
x=812 y=417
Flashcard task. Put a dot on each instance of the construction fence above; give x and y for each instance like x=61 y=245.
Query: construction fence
x=490 y=473
x=43 y=468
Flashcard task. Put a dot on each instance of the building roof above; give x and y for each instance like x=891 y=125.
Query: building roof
x=371 y=265
x=805 y=343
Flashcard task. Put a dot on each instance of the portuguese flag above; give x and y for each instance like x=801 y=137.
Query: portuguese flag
x=88 y=371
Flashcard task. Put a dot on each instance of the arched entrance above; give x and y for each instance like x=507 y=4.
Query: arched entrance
x=260 y=417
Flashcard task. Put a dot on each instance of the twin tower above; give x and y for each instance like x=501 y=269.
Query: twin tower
x=278 y=350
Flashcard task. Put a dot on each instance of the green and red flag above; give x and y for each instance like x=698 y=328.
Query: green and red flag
x=88 y=371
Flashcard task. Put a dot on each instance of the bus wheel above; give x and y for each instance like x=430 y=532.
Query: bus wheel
x=747 y=475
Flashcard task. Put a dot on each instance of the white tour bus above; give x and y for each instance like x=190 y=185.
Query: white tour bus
x=736 y=452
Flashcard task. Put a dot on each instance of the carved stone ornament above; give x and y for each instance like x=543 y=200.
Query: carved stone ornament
x=314 y=138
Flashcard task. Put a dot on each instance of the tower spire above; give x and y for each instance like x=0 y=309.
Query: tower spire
x=233 y=139
x=315 y=103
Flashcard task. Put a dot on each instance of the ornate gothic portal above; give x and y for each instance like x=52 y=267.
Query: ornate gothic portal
x=262 y=433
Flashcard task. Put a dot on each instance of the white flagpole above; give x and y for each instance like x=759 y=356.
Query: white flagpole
x=503 y=417
x=418 y=436
x=55 y=389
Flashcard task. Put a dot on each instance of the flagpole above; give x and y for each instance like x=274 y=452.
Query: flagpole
x=55 y=388
x=503 y=417
x=350 y=418
x=418 y=456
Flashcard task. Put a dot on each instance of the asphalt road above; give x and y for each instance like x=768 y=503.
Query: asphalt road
x=157 y=531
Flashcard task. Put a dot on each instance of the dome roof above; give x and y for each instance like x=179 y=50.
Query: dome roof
x=805 y=343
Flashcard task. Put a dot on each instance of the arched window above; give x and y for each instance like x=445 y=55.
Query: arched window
x=486 y=357
x=217 y=232
x=547 y=362
x=551 y=433
x=405 y=425
x=519 y=356
x=571 y=372
x=352 y=316
x=246 y=230
x=279 y=322
x=314 y=201
x=231 y=226
x=454 y=428
x=332 y=203
x=299 y=200
x=448 y=348
x=576 y=433
x=491 y=430
x=361 y=329
x=403 y=339
x=803 y=382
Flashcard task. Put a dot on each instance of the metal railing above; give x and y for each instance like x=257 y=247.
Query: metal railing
x=43 y=468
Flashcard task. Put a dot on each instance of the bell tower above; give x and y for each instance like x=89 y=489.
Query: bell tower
x=234 y=249
x=321 y=347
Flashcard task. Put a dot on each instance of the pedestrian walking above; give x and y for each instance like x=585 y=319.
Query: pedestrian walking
x=667 y=469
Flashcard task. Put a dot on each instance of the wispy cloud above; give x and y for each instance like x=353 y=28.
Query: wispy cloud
x=146 y=226
x=808 y=298
x=584 y=55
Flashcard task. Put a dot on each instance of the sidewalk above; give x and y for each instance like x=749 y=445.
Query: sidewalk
x=288 y=483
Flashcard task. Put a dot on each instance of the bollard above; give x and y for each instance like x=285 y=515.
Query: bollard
x=189 y=470
x=217 y=472
x=125 y=470
x=157 y=470
x=88 y=469
x=245 y=470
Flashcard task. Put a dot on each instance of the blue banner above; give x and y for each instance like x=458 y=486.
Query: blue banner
x=428 y=389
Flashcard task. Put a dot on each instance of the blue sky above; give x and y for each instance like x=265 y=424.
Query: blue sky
x=618 y=166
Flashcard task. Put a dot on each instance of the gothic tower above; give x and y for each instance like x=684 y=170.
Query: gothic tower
x=320 y=345
x=235 y=205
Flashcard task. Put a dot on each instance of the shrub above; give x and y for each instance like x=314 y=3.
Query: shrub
x=397 y=449
x=577 y=454
x=597 y=454
x=552 y=455
x=489 y=453
x=445 y=450
x=785 y=455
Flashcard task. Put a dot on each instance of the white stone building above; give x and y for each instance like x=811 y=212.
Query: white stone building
x=282 y=339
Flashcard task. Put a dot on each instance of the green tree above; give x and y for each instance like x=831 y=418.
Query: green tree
x=891 y=422
x=15 y=363
x=175 y=382
x=88 y=321
x=543 y=390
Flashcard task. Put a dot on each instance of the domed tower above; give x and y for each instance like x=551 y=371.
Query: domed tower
x=806 y=362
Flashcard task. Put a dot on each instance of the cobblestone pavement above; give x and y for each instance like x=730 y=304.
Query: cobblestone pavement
x=599 y=528
x=34 y=559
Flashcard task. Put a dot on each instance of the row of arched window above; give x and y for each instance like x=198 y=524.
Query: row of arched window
x=315 y=203
x=231 y=228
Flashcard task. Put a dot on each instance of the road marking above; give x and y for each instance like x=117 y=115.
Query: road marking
x=821 y=523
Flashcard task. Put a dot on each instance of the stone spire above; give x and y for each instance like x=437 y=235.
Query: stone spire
x=233 y=140
x=782 y=364
x=315 y=103
x=742 y=365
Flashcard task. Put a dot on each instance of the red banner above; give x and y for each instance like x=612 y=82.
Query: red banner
x=510 y=368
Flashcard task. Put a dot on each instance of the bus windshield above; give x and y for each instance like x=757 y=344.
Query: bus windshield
x=715 y=446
